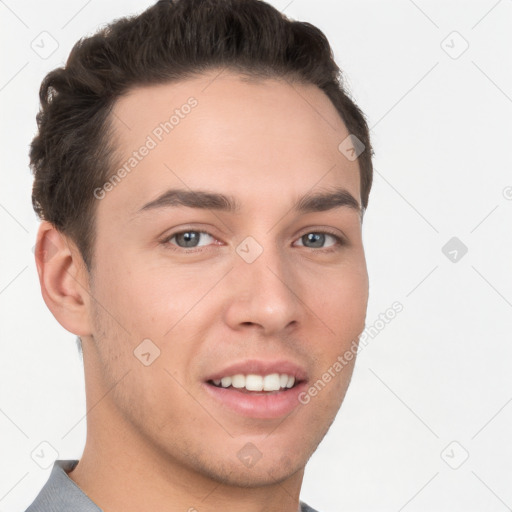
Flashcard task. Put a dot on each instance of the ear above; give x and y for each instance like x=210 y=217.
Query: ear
x=64 y=279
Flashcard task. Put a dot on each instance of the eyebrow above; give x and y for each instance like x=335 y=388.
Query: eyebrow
x=311 y=202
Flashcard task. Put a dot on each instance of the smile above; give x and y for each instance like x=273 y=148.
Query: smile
x=258 y=389
x=252 y=382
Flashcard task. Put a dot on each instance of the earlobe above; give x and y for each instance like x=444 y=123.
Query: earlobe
x=63 y=278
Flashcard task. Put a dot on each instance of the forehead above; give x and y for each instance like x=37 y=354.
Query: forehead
x=221 y=132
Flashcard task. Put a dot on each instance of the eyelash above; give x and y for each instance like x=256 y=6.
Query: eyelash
x=339 y=241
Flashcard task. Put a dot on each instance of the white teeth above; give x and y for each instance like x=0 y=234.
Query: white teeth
x=253 y=382
x=272 y=382
x=238 y=381
x=225 y=382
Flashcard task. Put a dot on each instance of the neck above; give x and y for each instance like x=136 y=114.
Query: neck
x=119 y=479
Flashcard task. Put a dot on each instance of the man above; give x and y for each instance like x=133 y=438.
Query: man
x=202 y=176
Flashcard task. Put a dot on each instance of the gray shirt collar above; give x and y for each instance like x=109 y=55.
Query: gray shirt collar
x=61 y=494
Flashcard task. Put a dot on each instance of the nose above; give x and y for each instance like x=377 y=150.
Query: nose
x=263 y=294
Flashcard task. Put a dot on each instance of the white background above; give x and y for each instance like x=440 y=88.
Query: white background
x=441 y=370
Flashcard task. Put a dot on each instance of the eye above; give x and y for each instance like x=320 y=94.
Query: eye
x=317 y=239
x=190 y=239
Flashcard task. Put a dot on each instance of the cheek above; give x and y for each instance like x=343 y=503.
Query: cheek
x=144 y=300
x=160 y=311
x=343 y=301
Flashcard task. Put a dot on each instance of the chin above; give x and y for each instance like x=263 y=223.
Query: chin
x=260 y=475
x=252 y=474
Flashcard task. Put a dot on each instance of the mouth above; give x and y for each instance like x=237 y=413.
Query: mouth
x=259 y=384
x=257 y=389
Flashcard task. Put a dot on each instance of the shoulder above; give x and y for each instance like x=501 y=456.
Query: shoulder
x=61 y=494
x=306 y=508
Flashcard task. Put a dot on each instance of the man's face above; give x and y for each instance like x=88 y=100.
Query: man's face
x=264 y=289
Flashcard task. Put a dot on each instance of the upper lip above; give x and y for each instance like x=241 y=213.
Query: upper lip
x=261 y=367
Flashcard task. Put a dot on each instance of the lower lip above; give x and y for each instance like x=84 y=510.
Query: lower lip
x=258 y=405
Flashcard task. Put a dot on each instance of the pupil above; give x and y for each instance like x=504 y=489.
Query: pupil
x=317 y=239
x=190 y=238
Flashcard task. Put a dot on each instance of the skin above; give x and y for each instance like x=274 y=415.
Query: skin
x=155 y=439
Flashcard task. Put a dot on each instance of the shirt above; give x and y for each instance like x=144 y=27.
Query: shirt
x=61 y=494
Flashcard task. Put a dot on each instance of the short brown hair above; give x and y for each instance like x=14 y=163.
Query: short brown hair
x=73 y=152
